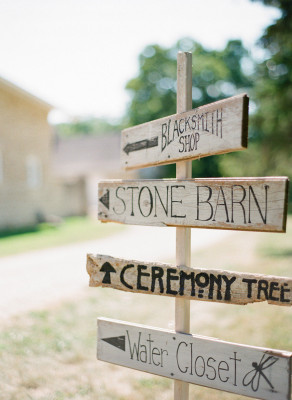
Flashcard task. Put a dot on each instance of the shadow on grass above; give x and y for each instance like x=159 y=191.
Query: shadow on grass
x=24 y=230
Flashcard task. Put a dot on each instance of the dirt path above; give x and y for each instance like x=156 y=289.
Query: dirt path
x=34 y=280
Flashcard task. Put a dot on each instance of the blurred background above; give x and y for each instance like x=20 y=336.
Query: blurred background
x=73 y=74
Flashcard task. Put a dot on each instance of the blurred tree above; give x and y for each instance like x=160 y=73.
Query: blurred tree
x=273 y=119
x=86 y=126
x=216 y=75
x=270 y=144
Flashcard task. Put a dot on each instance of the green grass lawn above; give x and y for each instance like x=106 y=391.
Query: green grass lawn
x=74 y=229
x=51 y=354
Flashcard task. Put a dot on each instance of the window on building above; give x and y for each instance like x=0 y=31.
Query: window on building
x=33 y=172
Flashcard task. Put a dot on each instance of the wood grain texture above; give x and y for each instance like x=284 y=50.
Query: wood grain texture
x=183 y=235
x=252 y=204
x=215 y=128
x=188 y=283
x=250 y=371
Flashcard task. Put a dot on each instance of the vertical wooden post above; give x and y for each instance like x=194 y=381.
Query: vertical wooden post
x=183 y=235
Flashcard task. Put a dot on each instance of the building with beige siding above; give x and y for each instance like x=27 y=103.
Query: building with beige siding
x=42 y=176
x=29 y=191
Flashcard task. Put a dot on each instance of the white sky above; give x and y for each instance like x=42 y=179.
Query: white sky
x=79 y=54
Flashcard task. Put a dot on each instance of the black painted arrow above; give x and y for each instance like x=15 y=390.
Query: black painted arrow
x=105 y=199
x=117 y=341
x=107 y=268
x=142 y=144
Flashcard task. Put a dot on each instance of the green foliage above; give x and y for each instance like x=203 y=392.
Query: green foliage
x=270 y=144
x=71 y=230
x=88 y=126
x=223 y=73
x=216 y=75
x=273 y=120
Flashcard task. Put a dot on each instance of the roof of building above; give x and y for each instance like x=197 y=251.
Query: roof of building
x=84 y=154
x=23 y=93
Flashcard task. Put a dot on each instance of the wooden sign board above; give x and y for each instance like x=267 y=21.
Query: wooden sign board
x=214 y=128
x=250 y=371
x=188 y=283
x=251 y=204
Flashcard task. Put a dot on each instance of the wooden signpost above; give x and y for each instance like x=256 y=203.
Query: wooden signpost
x=250 y=371
x=215 y=128
x=188 y=283
x=250 y=204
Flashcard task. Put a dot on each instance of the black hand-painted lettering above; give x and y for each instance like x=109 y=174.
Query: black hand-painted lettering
x=249 y=282
x=183 y=371
x=273 y=287
x=134 y=350
x=237 y=202
x=163 y=137
x=179 y=125
x=206 y=128
x=197 y=138
x=194 y=122
x=150 y=201
x=172 y=201
x=181 y=142
x=221 y=204
x=202 y=280
x=187 y=143
x=251 y=191
x=219 y=121
x=175 y=129
x=204 y=202
x=201 y=118
x=223 y=366
x=187 y=123
x=150 y=347
x=210 y=366
x=165 y=207
x=171 y=276
x=218 y=281
x=122 y=200
x=122 y=275
x=263 y=286
x=235 y=370
x=157 y=274
x=140 y=274
x=132 y=197
x=228 y=283
x=282 y=293
x=183 y=276
x=201 y=366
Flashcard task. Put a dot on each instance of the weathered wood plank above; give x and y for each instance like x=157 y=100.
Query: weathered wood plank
x=189 y=283
x=250 y=371
x=183 y=235
x=215 y=128
x=252 y=204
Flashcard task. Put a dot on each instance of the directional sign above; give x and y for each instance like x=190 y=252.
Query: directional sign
x=215 y=128
x=189 y=283
x=107 y=268
x=250 y=371
x=252 y=204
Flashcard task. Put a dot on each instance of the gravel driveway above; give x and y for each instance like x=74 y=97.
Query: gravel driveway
x=37 y=279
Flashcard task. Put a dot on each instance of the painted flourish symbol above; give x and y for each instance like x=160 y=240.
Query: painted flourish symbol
x=253 y=377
